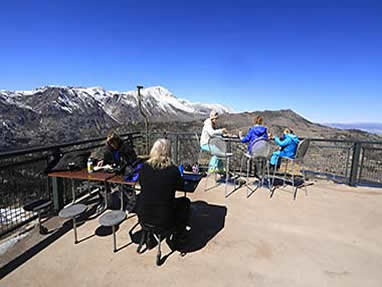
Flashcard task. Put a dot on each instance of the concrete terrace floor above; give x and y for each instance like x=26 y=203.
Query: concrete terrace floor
x=331 y=237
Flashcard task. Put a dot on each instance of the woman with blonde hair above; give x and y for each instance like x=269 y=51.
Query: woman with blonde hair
x=160 y=154
x=159 y=179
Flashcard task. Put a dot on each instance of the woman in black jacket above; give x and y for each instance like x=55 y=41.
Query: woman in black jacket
x=159 y=179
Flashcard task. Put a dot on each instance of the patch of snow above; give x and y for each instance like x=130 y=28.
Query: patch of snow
x=166 y=100
x=129 y=99
x=11 y=242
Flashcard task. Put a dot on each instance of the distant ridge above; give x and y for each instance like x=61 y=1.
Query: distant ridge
x=375 y=128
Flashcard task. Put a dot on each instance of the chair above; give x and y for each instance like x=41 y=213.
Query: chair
x=218 y=147
x=39 y=206
x=302 y=148
x=202 y=154
x=113 y=218
x=260 y=152
x=72 y=212
x=151 y=231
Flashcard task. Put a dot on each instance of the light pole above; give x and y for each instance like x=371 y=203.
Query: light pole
x=145 y=118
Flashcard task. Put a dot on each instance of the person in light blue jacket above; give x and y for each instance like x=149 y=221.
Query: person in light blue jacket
x=258 y=131
x=288 y=147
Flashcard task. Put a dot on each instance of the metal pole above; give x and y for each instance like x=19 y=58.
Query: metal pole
x=176 y=156
x=75 y=230
x=58 y=191
x=114 y=239
x=347 y=163
x=361 y=166
x=144 y=116
x=355 y=164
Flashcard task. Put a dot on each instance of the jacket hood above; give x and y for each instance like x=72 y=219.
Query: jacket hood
x=292 y=137
x=260 y=130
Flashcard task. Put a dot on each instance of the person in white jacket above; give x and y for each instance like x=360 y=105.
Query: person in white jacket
x=210 y=130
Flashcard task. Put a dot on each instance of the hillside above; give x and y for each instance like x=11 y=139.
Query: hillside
x=276 y=121
x=55 y=114
x=51 y=115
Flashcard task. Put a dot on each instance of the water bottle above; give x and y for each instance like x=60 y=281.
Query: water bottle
x=90 y=165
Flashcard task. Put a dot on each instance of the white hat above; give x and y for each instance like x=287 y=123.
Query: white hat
x=213 y=115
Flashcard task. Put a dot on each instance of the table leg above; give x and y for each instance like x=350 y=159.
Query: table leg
x=75 y=230
x=115 y=241
x=121 y=194
x=73 y=191
x=106 y=187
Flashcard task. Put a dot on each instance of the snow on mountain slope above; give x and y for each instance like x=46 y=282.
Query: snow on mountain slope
x=157 y=102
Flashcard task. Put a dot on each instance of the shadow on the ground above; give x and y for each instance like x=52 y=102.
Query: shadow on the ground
x=51 y=236
x=279 y=182
x=206 y=221
x=105 y=230
x=28 y=254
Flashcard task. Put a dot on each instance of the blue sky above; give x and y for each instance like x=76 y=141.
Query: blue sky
x=324 y=61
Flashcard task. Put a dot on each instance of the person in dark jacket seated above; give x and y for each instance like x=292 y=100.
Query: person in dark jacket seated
x=256 y=132
x=159 y=179
x=288 y=147
x=121 y=156
x=118 y=152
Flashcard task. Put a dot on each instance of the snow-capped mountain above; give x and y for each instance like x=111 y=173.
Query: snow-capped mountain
x=157 y=102
x=52 y=110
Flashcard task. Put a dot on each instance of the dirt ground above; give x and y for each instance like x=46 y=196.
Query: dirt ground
x=329 y=237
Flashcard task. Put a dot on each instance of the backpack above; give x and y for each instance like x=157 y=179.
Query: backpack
x=71 y=161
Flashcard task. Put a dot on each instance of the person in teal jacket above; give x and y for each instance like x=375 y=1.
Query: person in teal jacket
x=288 y=147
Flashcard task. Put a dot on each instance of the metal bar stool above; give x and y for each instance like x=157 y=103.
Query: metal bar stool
x=302 y=149
x=113 y=218
x=39 y=206
x=218 y=147
x=260 y=152
x=72 y=212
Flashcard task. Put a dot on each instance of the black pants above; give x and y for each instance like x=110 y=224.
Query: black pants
x=164 y=216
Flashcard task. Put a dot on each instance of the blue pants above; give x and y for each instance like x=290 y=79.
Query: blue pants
x=215 y=163
x=275 y=158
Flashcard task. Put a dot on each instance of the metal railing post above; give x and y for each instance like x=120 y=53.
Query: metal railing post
x=354 y=164
x=361 y=165
x=58 y=193
x=347 y=162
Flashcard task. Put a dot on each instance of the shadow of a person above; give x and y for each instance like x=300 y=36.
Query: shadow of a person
x=206 y=220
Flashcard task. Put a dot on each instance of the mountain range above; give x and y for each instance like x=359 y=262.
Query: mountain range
x=56 y=114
